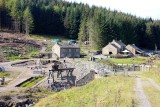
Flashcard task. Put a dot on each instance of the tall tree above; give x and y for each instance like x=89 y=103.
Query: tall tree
x=28 y=21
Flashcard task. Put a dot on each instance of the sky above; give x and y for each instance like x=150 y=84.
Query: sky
x=140 y=8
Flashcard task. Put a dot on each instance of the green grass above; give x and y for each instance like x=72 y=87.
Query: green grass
x=157 y=63
x=105 y=61
x=152 y=94
x=18 y=57
x=6 y=74
x=135 y=60
x=103 y=92
x=32 y=82
x=154 y=73
x=31 y=48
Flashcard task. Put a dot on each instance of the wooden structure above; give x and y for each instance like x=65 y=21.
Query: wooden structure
x=59 y=71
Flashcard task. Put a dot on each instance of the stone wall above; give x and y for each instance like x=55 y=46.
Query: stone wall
x=86 y=79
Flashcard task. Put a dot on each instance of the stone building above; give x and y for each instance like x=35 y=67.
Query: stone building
x=110 y=49
x=134 y=49
x=65 y=49
x=114 y=47
x=119 y=44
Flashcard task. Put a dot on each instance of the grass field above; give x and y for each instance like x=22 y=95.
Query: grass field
x=135 y=60
x=154 y=73
x=152 y=94
x=105 y=92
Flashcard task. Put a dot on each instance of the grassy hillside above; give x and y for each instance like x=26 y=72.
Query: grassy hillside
x=109 y=91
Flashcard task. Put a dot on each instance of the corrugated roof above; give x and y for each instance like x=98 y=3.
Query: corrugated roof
x=67 y=45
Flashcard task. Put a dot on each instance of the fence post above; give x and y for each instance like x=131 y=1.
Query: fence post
x=3 y=80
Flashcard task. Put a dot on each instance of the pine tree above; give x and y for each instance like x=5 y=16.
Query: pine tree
x=28 y=21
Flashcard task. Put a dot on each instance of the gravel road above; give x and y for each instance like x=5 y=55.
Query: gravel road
x=143 y=100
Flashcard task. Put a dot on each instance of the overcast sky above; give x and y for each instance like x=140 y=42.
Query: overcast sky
x=142 y=8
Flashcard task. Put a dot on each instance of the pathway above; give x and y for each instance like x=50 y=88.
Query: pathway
x=144 y=102
x=25 y=74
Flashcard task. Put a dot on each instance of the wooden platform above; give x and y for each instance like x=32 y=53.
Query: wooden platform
x=59 y=71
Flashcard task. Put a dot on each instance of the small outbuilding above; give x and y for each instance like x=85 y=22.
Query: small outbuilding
x=134 y=49
x=66 y=49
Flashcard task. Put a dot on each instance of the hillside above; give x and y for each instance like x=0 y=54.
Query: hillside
x=18 y=46
x=78 y=21
x=102 y=92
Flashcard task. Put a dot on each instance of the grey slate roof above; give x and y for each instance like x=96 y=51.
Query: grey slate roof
x=67 y=45
x=137 y=49
x=115 y=46
x=120 y=43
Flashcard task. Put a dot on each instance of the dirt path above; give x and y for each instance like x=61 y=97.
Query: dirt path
x=143 y=100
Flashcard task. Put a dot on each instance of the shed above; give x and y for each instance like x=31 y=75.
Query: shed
x=134 y=49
